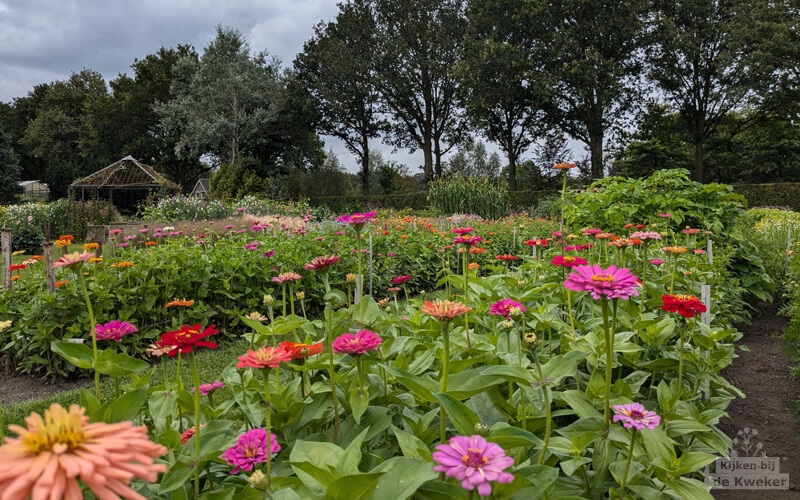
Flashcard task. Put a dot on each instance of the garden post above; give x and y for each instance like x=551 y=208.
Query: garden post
x=5 y=245
x=370 y=264
x=357 y=297
x=710 y=251
x=50 y=276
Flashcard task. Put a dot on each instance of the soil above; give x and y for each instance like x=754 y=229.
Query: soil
x=16 y=388
x=763 y=374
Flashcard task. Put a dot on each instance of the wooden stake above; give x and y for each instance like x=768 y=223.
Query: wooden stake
x=370 y=264
x=5 y=246
x=50 y=275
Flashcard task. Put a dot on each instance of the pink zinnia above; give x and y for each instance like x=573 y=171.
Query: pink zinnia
x=698 y=251
x=503 y=307
x=657 y=262
x=635 y=415
x=73 y=260
x=206 y=389
x=475 y=462
x=567 y=261
x=557 y=234
x=322 y=263
x=250 y=449
x=357 y=220
x=286 y=277
x=690 y=231
x=463 y=230
x=264 y=357
x=468 y=240
x=591 y=232
x=612 y=282
x=643 y=235
x=401 y=279
x=357 y=344
x=665 y=215
x=114 y=330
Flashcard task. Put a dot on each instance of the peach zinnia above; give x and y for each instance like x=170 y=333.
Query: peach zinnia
x=445 y=310
x=47 y=459
x=265 y=357
x=73 y=260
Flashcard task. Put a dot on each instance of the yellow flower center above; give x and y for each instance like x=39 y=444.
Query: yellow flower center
x=65 y=437
x=569 y=259
x=606 y=278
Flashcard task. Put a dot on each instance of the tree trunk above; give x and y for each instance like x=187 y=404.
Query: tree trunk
x=512 y=173
x=365 y=173
x=438 y=157
x=596 y=152
x=699 y=166
x=427 y=168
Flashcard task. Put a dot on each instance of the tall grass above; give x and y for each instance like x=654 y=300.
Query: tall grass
x=473 y=195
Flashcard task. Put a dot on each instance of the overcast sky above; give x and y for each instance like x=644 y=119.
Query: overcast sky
x=45 y=40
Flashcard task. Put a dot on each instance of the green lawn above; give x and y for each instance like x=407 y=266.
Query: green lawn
x=209 y=365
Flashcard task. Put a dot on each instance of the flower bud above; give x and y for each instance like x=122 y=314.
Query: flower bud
x=351 y=277
x=482 y=428
x=301 y=295
x=258 y=481
x=530 y=338
x=269 y=300
x=508 y=324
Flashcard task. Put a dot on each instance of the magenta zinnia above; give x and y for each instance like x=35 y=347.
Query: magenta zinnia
x=401 y=279
x=475 y=462
x=250 y=449
x=357 y=220
x=635 y=415
x=504 y=307
x=613 y=282
x=114 y=330
x=52 y=453
x=567 y=261
x=357 y=344
x=463 y=230
x=467 y=240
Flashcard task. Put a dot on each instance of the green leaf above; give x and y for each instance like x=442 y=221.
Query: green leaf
x=422 y=387
x=403 y=476
x=223 y=494
x=366 y=311
x=314 y=462
x=463 y=418
x=127 y=406
x=78 y=354
x=690 y=489
x=464 y=385
x=175 y=477
x=117 y=364
x=514 y=373
x=580 y=402
x=353 y=487
x=352 y=455
x=411 y=446
x=358 y=403
x=658 y=445
x=163 y=403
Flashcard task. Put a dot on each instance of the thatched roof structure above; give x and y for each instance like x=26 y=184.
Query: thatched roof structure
x=127 y=173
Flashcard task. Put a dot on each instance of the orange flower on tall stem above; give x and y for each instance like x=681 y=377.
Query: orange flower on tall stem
x=48 y=457
x=177 y=302
x=445 y=310
x=300 y=350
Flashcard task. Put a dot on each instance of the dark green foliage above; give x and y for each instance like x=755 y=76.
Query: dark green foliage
x=781 y=194
x=347 y=204
x=471 y=195
x=243 y=177
x=528 y=200
x=9 y=168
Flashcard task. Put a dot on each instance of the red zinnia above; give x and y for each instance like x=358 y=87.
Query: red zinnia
x=300 y=350
x=16 y=267
x=187 y=338
x=507 y=257
x=401 y=279
x=685 y=305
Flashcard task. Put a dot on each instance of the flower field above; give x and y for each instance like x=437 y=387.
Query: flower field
x=519 y=358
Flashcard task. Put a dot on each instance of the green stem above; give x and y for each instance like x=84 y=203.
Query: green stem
x=116 y=387
x=359 y=276
x=196 y=380
x=627 y=464
x=672 y=278
x=445 y=370
x=332 y=374
x=466 y=295
x=268 y=406
x=546 y=400
x=609 y=362
x=92 y=326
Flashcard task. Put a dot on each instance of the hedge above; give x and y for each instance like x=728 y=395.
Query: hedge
x=779 y=194
x=346 y=204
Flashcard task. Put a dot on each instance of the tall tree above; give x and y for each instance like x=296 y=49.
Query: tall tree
x=416 y=44
x=504 y=86
x=592 y=48
x=704 y=56
x=57 y=135
x=472 y=160
x=222 y=109
x=337 y=68
x=9 y=169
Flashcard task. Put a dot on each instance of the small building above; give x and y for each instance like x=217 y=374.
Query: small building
x=200 y=190
x=35 y=190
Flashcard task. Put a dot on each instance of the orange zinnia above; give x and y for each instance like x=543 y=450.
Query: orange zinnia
x=445 y=310
x=265 y=357
x=47 y=459
x=177 y=302
x=300 y=350
x=91 y=246
x=127 y=263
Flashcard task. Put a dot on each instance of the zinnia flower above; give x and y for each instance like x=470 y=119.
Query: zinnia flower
x=656 y=262
x=206 y=389
x=114 y=330
x=357 y=220
x=445 y=310
x=675 y=250
x=73 y=260
x=357 y=344
x=179 y=303
x=264 y=357
x=300 y=350
x=286 y=277
x=47 y=459
x=690 y=231
x=646 y=235
x=322 y=263
x=536 y=243
x=562 y=166
x=468 y=240
x=187 y=338
x=507 y=257
x=612 y=282
x=463 y=230
x=634 y=415
x=591 y=232
x=665 y=215
x=503 y=307
x=568 y=261
x=250 y=449
x=401 y=279
x=91 y=246
x=685 y=305
x=475 y=462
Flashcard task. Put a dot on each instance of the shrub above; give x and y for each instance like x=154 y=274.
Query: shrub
x=782 y=194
